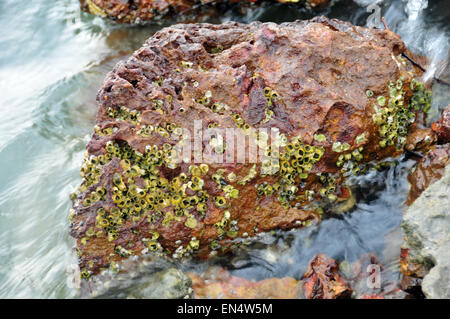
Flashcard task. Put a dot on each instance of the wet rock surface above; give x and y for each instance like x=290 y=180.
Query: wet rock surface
x=430 y=169
x=139 y=11
x=340 y=96
x=218 y=283
x=426 y=252
x=144 y=278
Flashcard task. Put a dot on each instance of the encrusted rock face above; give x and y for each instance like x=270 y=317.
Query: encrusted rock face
x=427 y=246
x=340 y=97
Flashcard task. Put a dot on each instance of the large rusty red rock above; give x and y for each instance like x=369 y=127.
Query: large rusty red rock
x=321 y=69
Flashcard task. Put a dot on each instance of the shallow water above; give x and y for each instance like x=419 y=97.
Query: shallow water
x=53 y=59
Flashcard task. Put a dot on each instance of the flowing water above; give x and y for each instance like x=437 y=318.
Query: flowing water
x=53 y=58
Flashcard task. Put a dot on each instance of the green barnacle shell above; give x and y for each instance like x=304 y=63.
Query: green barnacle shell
x=152 y=245
x=337 y=147
x=413 y=84
x=369 y=93
x=381 y=100
x=320 y=137
x=201 y=207
x=191 y=222
x=361 y=138
x=219 y=201
x=214 y=245
x=274 y=95
x=194 y=243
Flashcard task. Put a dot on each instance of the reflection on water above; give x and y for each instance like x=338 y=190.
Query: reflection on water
x=53 y=59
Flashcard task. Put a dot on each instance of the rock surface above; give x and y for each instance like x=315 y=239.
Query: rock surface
x=338 y=94
x=137 y=11
x=426 y=224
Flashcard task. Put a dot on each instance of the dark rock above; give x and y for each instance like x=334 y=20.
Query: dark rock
x=138 y=11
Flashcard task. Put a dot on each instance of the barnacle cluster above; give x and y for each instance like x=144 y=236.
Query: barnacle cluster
x=350 y=162
x=139 y=190
x=239 y=121
x=147 y=199
x=328 y=189
x=125 y=114
x=206 y=100
x=395 y=117
x=225 y=226
x=271 y=96
x=292 y=165
x=421 y=99
x=106 y=131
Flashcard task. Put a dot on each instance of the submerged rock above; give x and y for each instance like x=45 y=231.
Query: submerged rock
x=322 y=280
x=218 y=283
x=137 y=11
x=426 y=224
x=340 y=97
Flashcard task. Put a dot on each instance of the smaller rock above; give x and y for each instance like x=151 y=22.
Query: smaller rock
x=421 y=140
x=442 y=127
x=218 y=283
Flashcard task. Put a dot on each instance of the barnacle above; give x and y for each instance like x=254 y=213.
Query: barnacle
x=271 y=96
x=220 y=201
x=340 y=147
x=381 y=100
x=360 y=139
x=320 y=137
